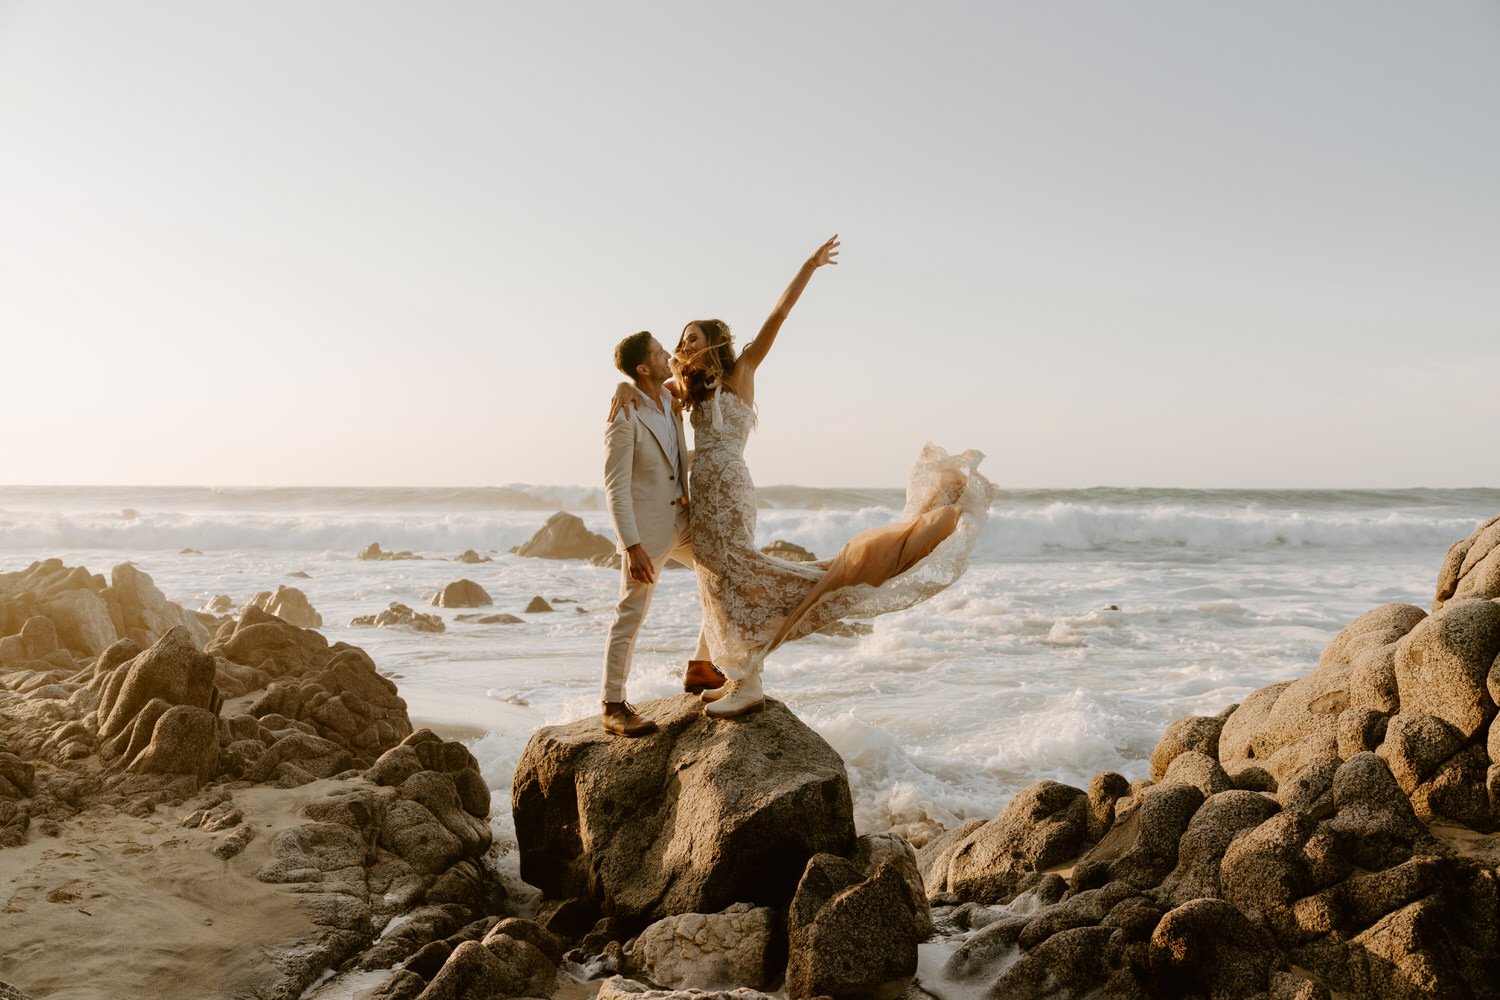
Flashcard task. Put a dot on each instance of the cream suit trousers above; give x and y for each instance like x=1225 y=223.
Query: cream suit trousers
x=630 y=612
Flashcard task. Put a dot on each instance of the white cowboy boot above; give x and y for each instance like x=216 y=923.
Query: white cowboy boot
x=741 y=697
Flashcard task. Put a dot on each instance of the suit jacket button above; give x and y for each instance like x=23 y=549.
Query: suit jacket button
x=672 y=477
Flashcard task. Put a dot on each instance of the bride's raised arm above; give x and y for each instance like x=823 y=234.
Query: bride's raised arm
x=755 y=351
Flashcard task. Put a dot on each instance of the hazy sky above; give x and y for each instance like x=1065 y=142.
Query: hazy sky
x=1188 y=243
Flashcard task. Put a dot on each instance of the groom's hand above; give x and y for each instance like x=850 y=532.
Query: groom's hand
x=641 y=570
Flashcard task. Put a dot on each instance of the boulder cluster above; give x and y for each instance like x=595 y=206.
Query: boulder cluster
x=1331 y=836
x=179 y=719
x=88 y=613
x=714 y=856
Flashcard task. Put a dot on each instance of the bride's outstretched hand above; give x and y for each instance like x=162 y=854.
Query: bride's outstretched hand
x=826 y=253
x=625 y=395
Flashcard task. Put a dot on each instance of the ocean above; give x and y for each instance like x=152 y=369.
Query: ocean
x=1088 y=619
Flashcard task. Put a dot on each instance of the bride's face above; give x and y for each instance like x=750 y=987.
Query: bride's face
x=693 y=341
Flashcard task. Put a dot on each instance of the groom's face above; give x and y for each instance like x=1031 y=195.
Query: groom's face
x=658 y=362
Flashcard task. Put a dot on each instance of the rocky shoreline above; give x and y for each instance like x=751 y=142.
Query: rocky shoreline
x=198 y=805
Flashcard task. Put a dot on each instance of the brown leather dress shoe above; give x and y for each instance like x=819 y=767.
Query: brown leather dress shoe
x=621 y=719
x=702 y=676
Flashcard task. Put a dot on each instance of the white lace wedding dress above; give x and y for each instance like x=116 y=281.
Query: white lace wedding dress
x=748 y=595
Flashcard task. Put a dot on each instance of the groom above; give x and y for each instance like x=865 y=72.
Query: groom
x=645 y=485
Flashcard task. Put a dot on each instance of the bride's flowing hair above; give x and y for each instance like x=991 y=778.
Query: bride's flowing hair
x=700 y=372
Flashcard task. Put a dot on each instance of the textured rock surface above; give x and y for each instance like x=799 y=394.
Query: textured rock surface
x=564 y=536
x=1324 y=872
x=719 y=951
x=398 y=615
x=462 y=594
x=790 y=551
x=1472 y=567
x=374 y=553
x=688 y=820
x=129 y=733
x=850 y=934
x=335 y=690
x=289 y=604
x=1045 y=824
x=158 y=713
x=618 y=988
x=89 y=613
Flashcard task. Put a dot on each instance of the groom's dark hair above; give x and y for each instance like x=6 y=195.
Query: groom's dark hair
x=632 y=352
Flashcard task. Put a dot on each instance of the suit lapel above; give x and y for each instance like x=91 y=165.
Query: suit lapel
x=650 y=425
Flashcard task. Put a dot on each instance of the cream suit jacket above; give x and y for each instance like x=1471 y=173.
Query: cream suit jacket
x=640 y=486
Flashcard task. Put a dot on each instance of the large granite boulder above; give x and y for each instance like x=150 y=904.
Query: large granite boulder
x=1045 y=824
x=1443 y=665
x=1472 y=566
x=1141 y=848
x=89 y=613
x=290 y=605
x=851 y=934
x=690 y=819
x=1206 y=947
x=462 y=594
x=158 y=712
x=620 y=988
x=141 y=612
x=1194 y=733
x=1200 y=852
x=718 y=951
x=346 y=701
x=334 y=691
x=564 y=536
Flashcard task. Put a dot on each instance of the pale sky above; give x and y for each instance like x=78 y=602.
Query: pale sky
x=1163 y=242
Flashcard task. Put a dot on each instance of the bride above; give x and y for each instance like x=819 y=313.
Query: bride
x=753 y=602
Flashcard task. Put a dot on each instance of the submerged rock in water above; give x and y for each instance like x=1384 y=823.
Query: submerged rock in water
x=701 y=814
x=398 y=615
x=790 y=551
x=474 y=618
x=462 y=594
x=564 y=536
x=374 y=553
